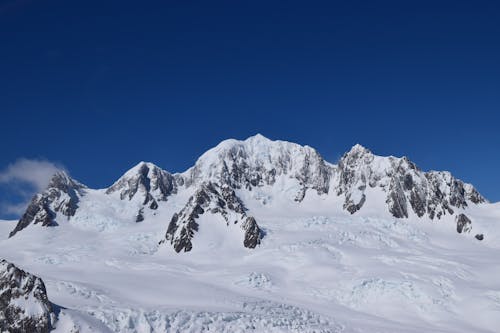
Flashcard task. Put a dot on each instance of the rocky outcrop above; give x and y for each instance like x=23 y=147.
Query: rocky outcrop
x=464 y=224
x=152 y=183
x=407 y=188
x=215 y=199
x=24 y=305
x=253 y=234
x=61 y=197
x=147 y=183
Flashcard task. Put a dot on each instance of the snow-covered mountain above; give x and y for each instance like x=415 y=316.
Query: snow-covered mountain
x=264 y=236
x=59 y=200
x=431 y=194
x=259 y=164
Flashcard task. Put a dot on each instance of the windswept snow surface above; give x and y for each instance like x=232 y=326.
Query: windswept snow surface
x=318 y=269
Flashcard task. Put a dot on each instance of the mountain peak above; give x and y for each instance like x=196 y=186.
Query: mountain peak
x=62 y=195
x=359 y=150
x=62 y=180
x=154 y=183
x=259 y=161
x=258 y=138
x=141 y=168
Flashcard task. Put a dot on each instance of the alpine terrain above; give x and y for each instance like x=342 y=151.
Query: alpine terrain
x=257 y=236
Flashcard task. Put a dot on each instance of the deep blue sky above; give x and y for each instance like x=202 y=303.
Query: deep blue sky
x=98 y=86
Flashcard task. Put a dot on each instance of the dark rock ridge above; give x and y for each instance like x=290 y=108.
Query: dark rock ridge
x=61 y=196
x=24 y=305
x=214 y=199
x=463 y=223
x=406 y=186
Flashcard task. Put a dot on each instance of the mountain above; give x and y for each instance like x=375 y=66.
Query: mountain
x=24 y=306
x=260 y=236
x=259 y=161
x=145 y=183
x=59 y=200
x=260 y=164
x=433 y=194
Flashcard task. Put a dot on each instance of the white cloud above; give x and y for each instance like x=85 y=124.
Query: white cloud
x=34 y=172
x=26 y=177
x=14 y=209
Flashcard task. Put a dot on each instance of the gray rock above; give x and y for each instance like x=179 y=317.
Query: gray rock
x=352 y=207
x=140 y=215
x=253 y=234
x=396 y=199
x=464 y=224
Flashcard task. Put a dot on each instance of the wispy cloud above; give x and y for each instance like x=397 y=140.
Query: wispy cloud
x=25 y=177
x=13 y=209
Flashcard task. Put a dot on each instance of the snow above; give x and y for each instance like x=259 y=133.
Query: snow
x=6 y=226
x=258 y=153
x=31 y=307
x=317 y=269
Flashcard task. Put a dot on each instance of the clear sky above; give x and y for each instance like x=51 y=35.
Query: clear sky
x=97 y=86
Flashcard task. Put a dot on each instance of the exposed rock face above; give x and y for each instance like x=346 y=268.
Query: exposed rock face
x=259 y=161
x=479 y=237
x=140 y=215
x=24 y=306
x=151 y=182
x=145 y=182
x=215 y=199
x=464 y=224
x=253 y=234
x=406 y=186
x=61 y=196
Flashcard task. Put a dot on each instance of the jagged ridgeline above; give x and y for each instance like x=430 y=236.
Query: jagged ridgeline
x=213 y=188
